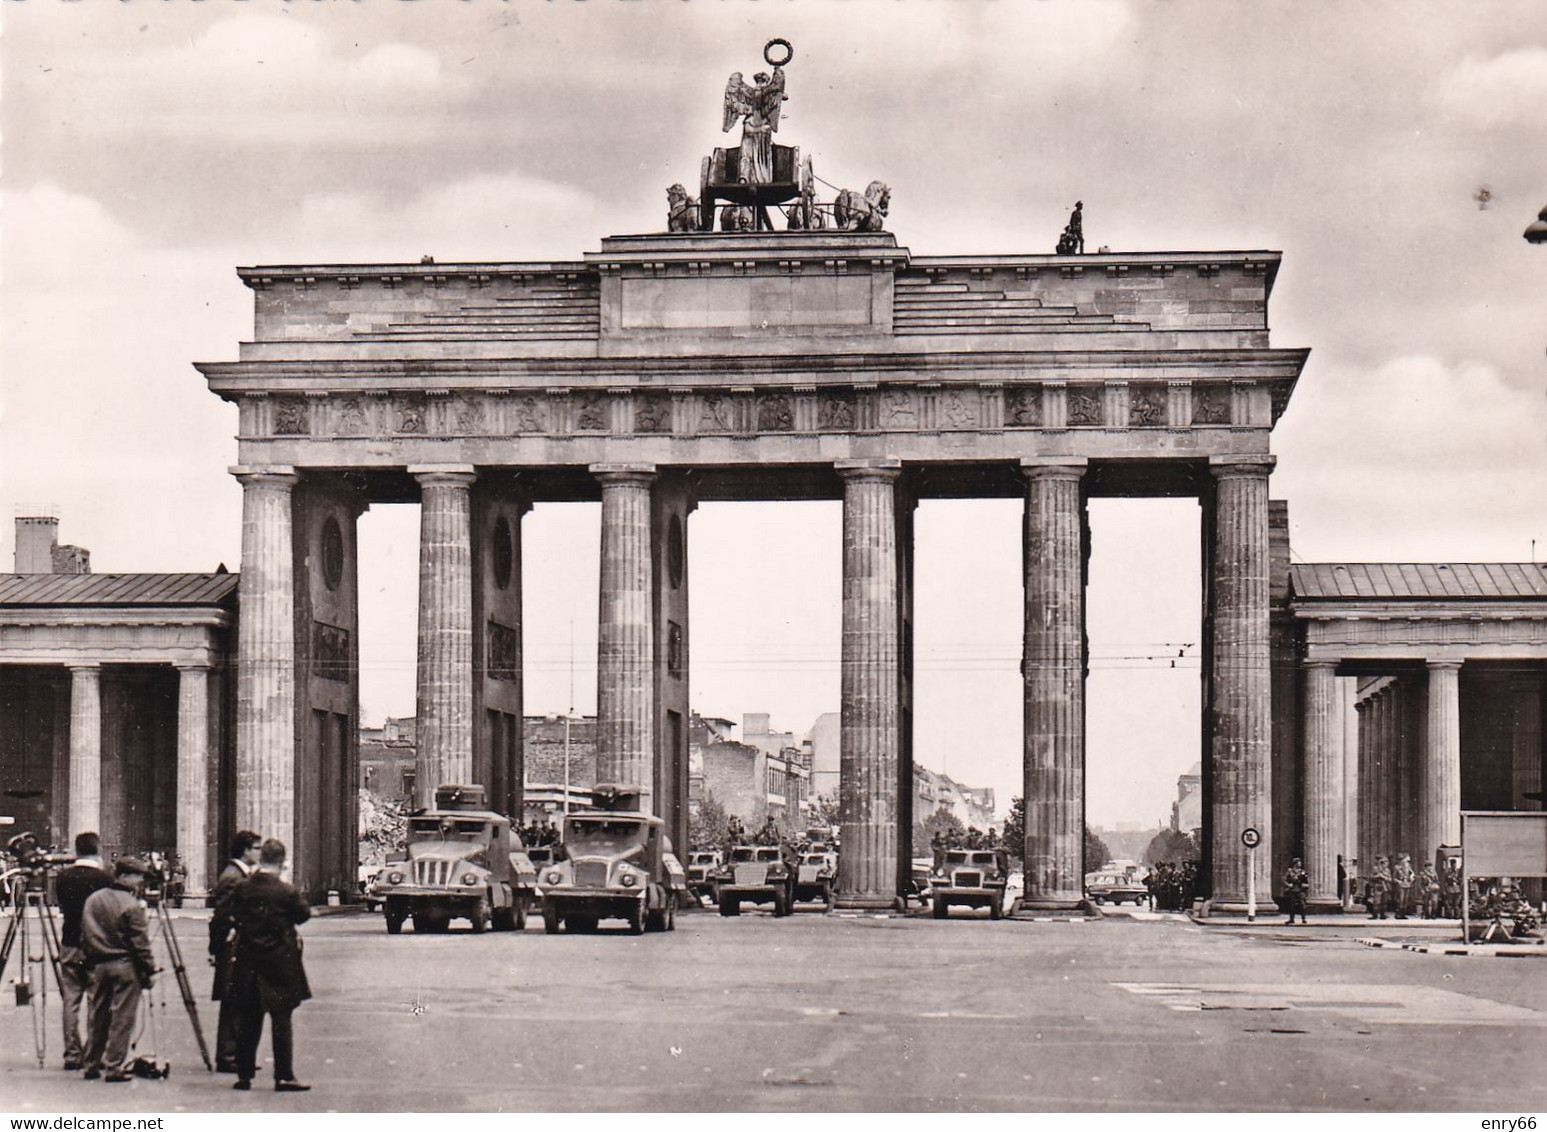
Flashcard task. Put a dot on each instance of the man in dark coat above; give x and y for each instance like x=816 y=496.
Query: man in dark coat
x=72 y=885
x=267 y=975
x=1296 y=882
x=116 y=940
x=244 y=855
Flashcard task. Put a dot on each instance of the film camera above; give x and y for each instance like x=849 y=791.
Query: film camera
x=34 y=858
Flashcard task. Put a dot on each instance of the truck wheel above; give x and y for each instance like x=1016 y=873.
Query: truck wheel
x=783 y=902
x=996 y=908
x=503 y=919
x=396 y=914
x=639 y=919
x=942 y=909
x=394 y=925
x=519 y=912
x=428 y=923
x=730 y=906
x=481 y=915
x=550 y=919
x=671 y=912
x=714 y=894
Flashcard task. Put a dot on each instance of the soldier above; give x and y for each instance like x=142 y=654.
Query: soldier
x=1378 y=889
x=1450 y=890
x=769 y=833
x=1428 y=891
x=1296 y=881
x=735 y=832
x=1402 y=878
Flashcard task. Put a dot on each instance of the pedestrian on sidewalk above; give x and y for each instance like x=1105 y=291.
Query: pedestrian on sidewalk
x=244 y=857
x=73 y=886
x=116 y=940
x=267 y=975
x=1296 y=882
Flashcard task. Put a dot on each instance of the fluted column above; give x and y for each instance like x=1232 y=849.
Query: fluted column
x=265 y=656
x=870 y=723
x=1442 y=758
x=85 y=748
x=1053 y=667
x=1323 y=793
x=1348 y=722
x=1365 y=709
x=193 y=767
x=625 y=662
x=1242 y=690
x=1526 y=743
x=1385 y=774
x=445 y=688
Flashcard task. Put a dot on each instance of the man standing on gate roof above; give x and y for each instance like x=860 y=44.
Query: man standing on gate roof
x=1296 y=882
x=73 y=886
x=244 y=856
x=267 y=975
x=116 y=940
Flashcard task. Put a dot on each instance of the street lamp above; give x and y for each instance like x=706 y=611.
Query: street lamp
x=1537 y=233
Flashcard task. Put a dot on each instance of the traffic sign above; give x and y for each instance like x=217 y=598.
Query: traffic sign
x=1250 y=838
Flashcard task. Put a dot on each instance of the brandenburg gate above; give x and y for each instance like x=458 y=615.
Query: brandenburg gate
x=659 y=371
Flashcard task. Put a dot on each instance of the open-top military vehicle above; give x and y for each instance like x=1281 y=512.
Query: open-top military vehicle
x=616 y=862
x=971 y=877
x=462 y=864
x=815 y=875
x=702 y=865
x=756 y=874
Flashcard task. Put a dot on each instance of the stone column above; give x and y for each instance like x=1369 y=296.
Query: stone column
x=1442 y=758
x=625 y=661
x=1053 y=667
x=1241 y=742
x=445 y=689
x=870 y=726
x=193 y=769
x=265 y=656
x=1348 y=725
x=1526 y=742
x=1383 y=776
x=1365 y=710
x=1323 y=791
x=85 y=749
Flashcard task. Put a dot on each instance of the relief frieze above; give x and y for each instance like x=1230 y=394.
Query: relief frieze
x=1210 y=405
x=291 y=417
x=408 y=414
x=351 y=418
x=835 y=412
x=528 y=414
x=897 y=410
x=1147 y=406
x=961 y=409
x=1084 y=406
x=651 y=413
x=1023 y=406
x=714 y=414
x=592 y=414
x=774 y=413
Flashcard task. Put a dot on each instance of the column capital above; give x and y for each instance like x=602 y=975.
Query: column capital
x=1443 y=665
x=1260 y=464
x=431 y=475
x=623 y=473
x=275 y=475
x=1054 y=467
x=875 y=468
x=192 y=665
x=1318 y=664
x=92 y=666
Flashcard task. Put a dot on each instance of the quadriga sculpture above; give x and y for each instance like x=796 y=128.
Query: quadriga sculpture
x=867 y=213
x=681 y=210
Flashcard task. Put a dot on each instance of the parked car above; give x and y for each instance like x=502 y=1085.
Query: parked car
x=1115 y=887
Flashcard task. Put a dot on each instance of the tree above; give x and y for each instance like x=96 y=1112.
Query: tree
x=943 y=821
x=1013 y=836
x=824 y=810
x=383 y=827
x=1096 y=851
x=707 y=823
x=1171 y=845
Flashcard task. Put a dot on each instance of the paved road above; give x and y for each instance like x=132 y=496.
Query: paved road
x=828 y=1013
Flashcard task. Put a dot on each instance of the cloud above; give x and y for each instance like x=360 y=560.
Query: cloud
x=1506 y=90
x=1414 y=460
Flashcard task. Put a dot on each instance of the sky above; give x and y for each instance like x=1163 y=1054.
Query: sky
x=148 y=148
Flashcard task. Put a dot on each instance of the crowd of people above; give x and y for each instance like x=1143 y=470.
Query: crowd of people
x=1171 y=885
x=107 y=962
x=538 y=834
x=1394 y=888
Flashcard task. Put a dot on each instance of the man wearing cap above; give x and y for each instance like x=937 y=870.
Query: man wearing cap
x=116 y=941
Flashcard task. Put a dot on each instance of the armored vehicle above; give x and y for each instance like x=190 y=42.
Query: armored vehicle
x=756 y=874
x=615 y=862
x=462 y=863
x=702 y=865
x=816 y=873
x=971 y=877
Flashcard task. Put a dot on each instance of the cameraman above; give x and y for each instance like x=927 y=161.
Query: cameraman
x=116 y=940
x=72 y=885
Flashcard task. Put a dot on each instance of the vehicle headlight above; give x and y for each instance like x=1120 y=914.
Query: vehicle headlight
x=394 y=877
x=469 y=878
x=555 y=876
x=628 y=880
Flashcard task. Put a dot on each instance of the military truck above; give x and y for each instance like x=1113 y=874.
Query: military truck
x=756 y=874
x=971 y=877
x=463 y=863
x=702 y=865
x=815 y=875
x=615 y=862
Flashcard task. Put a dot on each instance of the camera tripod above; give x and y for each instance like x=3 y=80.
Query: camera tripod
x=179 y=969
x=23 y=895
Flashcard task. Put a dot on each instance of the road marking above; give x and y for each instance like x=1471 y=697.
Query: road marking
x=1391 y=1004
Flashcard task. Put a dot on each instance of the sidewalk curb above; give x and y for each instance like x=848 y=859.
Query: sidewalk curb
x=1504 y=951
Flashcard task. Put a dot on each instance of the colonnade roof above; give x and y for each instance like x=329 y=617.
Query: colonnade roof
x=1420 y=581
x=118 y=589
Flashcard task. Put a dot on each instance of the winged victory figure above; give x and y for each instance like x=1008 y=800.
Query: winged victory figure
x=757 y=104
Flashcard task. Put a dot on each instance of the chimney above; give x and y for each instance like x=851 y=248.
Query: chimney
x=37 y=545
x=36 y=537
